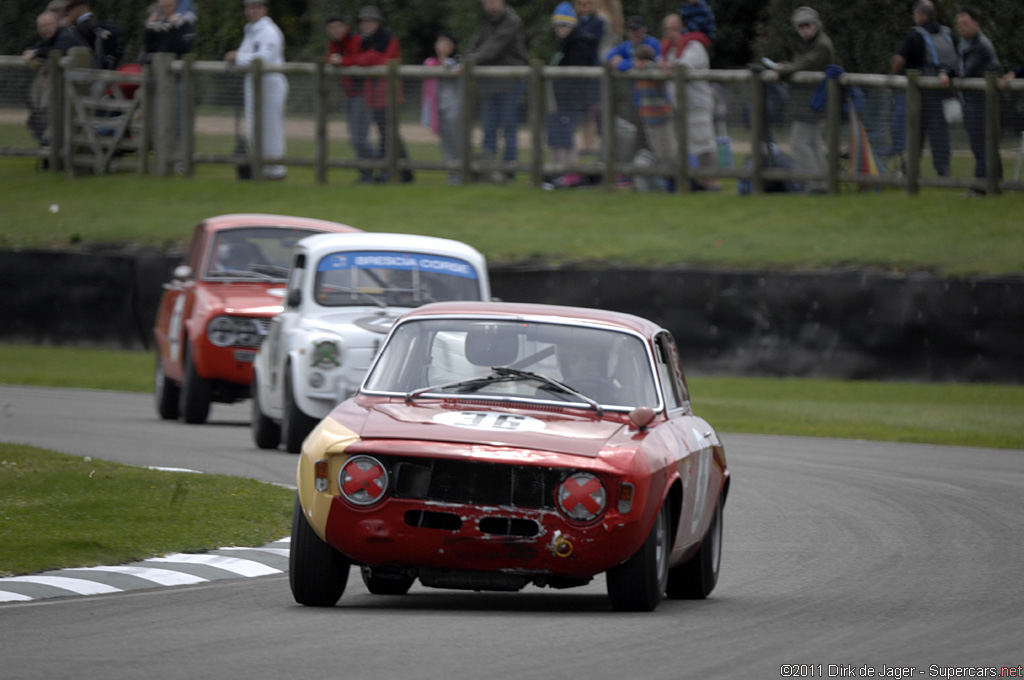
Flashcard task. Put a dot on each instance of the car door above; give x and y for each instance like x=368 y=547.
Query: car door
x=697 y=441
x=281 y=326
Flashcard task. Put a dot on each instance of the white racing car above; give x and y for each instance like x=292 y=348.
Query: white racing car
x=344 y=293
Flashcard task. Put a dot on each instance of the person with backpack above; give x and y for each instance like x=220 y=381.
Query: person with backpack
x=929 y=48
x=103 y=37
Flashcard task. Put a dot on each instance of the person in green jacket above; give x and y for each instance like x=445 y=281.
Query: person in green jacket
x=807 y=131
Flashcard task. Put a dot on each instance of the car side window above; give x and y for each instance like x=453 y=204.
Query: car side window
x=665 y=355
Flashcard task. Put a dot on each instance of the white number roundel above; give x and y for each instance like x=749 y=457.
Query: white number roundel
x=495 y=422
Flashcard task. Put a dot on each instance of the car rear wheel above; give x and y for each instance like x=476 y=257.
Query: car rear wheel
x=384 y=583
x=695 y=578
x=317 y=572
x=266 y=434
x=295 y=425
x=166 y=392
x=638 y=584
x=195 y=393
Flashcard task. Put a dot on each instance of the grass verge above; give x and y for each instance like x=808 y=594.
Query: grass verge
x=937 y=231
x=60 y=511
x=933 y=413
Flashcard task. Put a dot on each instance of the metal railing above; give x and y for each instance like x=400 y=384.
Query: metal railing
x=168 y=134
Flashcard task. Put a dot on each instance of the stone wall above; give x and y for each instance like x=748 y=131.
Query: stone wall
x=847 y=323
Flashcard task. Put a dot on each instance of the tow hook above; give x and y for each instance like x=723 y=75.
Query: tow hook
x=560 y=545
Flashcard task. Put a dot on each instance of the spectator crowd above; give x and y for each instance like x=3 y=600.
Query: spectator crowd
x=586 y=33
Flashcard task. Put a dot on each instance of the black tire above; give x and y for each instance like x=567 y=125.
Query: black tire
x=195 y=393
x=167 y=393
x=295 y=425
x=266 y=434
x=317 y=572
x=695 y=578
x=638 y=584
x=383 y=583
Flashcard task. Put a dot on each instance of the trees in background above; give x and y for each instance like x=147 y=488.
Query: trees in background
x=865 y=32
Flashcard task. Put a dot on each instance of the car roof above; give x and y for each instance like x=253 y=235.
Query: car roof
x=230 y=221
x=322 y=244
x=537 y=312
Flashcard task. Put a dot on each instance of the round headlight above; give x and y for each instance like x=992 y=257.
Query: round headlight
x=316 y=380
x=363 y=480
x=582 y=496
x=248 y=332
x=221 y=331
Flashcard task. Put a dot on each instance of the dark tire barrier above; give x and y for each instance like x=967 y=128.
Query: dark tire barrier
x=844 y=323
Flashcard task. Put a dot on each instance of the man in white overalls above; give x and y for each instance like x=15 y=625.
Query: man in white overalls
x=263 y=40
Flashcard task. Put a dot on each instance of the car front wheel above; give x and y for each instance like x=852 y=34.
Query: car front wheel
x=317 y=572
x=195 y=393
x=695 y=578
x=295 y=425
x=638 y=584
x=166 y=392
x=266 y=434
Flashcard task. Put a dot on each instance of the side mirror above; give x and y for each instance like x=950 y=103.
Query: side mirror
x=182 y=271
x=294 y=297
x=641 y=417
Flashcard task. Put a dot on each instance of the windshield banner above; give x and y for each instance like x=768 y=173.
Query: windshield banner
x=403 y=261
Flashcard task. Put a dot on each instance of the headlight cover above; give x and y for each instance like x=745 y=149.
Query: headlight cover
x=363 y=480
x=582 y=497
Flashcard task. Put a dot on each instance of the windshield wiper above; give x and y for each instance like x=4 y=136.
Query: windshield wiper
x=468 y=385
x=238 y=273
x=550 y=382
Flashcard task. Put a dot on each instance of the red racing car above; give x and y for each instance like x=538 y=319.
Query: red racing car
x=495 y=445
x=215 y=312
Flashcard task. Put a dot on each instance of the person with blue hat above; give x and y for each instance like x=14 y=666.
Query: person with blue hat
x=575 y=48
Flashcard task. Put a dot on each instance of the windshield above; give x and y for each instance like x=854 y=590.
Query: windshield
x=257 y=253
x=393 y=279
x=548 y=362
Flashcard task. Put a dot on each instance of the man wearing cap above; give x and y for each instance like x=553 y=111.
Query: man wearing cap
x=376 y=47
x=621 y=56
x=807 y=130
x=263 y=40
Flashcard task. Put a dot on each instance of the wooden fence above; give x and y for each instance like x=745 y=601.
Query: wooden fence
x=80 y=99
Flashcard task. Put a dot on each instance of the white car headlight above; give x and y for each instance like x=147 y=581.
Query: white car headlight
x=222 y=331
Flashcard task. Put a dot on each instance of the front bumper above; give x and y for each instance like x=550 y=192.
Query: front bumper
x=410 y=533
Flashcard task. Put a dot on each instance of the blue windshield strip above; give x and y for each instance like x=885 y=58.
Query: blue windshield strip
x=401 y=261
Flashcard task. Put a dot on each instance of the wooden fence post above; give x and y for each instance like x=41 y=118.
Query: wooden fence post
x=161 y=113
x=55 y=82
x=394 y=143
x=188 y=114
x=320 y=110
x=256 y=146
x=834 y=117
x=993 y=161
x=913 y=132
x=681 y=75
x=758 y=126
x=537 y=100
x=609 y=126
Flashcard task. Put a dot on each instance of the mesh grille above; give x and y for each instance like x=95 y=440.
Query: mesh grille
x=474 y=483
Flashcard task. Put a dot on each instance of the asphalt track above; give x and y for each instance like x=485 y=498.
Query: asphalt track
x=846 y=557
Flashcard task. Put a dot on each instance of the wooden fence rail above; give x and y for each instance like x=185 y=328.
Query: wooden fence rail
x=174 y=141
